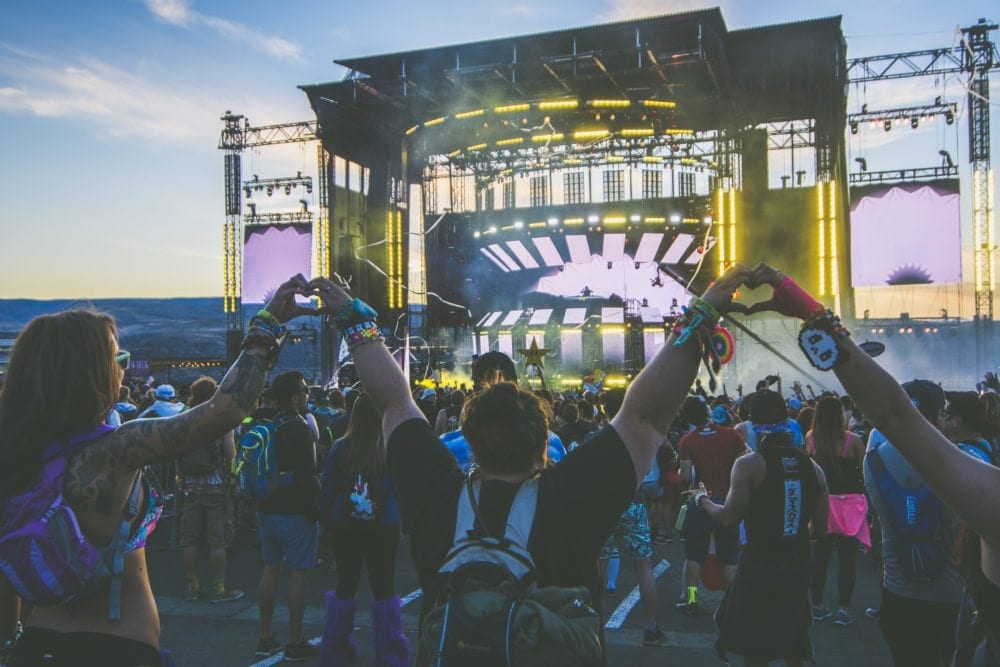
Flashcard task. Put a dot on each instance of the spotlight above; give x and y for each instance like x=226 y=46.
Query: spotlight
x=610 y=264
x=937 y=101
x=887 y=125
x=637 y=265
x=269 y=191
x=553 y=222
x=288 y=189
x=800 y=176
x=247 y=191
x=519 y=224
x=592 y=219
x=675 y=219
x=949 y=118
x=864 y=108
x=854 y=127
x=914 y=122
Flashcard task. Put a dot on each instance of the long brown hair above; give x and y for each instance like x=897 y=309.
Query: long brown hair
x=507 y=429
x=365 y=446
x=61 y=381
x=828 y=433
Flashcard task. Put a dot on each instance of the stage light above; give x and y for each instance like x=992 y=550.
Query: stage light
x=614 y=220
x=435 y=121
x=247 y=192
x=519 y=224
x=609 y=104
x=590 y=134
x=455 y=153
x=637 y=265
x=470 y=114
x=510 y=108
x=553 y=222
x=269 y=191
x=592 y=219
x=707 y=220
x=887 y=125
x=510 y=142
x=909 y=330
x=476 y=235
x=914 y=122
x=558 y=104
x=573 y=221
x=288 y=189
x=659 y=104
x=492 y=230
x=412 y=130
x=854 y=127
x=675 y=219
x=615 y=159
x=610 y=265
x=476 y=147
x=949 y=118
x=636 y=131
x=545 y=138
x=652 y=159
x=655 y=220
x=635 y=218
x=672 y=131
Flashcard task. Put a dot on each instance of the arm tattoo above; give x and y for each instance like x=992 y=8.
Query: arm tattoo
x=245 y=380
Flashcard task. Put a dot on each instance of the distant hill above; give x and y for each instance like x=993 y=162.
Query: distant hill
x=191 y=327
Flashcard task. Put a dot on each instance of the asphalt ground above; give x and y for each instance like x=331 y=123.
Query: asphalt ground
x=200 y=633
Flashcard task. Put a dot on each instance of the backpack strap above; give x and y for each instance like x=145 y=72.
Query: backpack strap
x=522 y=514
x=129 y=514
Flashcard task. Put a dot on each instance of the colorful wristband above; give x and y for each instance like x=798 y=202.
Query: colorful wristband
x=353 y=312
x=361 y=333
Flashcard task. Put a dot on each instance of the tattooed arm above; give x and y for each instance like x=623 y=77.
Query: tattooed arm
x=146 y=441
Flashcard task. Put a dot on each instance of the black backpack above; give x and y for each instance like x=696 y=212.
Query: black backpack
x=490 y=611
x=201 y=461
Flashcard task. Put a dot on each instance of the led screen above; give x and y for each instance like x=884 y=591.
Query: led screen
x=623 y=279
x=906 y=234
x=272 y=254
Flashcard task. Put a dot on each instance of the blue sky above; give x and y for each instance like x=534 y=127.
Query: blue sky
x=110 y=180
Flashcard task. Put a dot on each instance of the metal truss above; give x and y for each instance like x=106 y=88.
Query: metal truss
x=903 y=175
x=946 y=109
x=269 y=185
x=285 y=217
x=928 y=62
x=791 y=134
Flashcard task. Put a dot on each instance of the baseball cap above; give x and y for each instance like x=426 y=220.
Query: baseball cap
x=427 y=393
x=927 y=396
x=165 y=392
x=794 y=403
x=720 y=415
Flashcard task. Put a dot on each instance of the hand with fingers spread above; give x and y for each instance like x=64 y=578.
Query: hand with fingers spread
x=283 y=305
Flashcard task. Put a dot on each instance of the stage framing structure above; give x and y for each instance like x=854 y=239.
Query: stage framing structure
x=681 y=91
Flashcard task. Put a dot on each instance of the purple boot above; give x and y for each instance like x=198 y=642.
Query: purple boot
x=339 y=648
x=392 y=648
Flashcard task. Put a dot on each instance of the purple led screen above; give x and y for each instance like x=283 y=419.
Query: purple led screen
x=907 y=234
x=272 y=254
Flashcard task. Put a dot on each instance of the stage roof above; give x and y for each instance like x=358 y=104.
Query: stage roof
x=718 y=78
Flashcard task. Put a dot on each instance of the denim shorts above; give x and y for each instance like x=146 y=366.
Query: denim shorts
x=288 y=538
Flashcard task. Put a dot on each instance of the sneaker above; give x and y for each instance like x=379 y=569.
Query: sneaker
x=872 y=613
x=267 y=647
x=821 y=613
x=226 y=595
x=842 y=618
x=653 y=637
x=300 y=652
x=687 y=608
x=193 y=592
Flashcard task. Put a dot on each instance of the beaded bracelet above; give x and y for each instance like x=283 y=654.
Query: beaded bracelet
x=270 y=325
x=361 y=333
x=265 y=314
x=260 y=337
x=353 y=312
x=827 y=320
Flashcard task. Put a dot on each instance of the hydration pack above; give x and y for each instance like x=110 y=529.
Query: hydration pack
x=44 y=553
x=915 y=517
x=490 y=611
x=256 y=463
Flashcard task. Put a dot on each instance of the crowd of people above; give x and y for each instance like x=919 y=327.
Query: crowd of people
x=516 y=504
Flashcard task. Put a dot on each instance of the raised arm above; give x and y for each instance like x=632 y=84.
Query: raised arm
x=379 y=373
x=147 y=441
x=969 y=486
x=657 y=392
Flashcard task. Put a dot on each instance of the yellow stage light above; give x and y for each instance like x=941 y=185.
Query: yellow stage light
x=510 y=108
x=614 y=220
x=671 y=131
x=659 y=104
x=470 y=114
x=455 y=153
x=820 y=216
x=654 y=220
x=615 y=159
x=476 y=147
x=609 y=104
x=542 y=138
x=558 y=104
x=720 y=211
x=652 y=159
x=572 y=160
x=636 y=132
x=732 y=227
x=590 y=134
x=573 y=221
x=412 y=130
x=535 y=225
x=510 y=142
x=435 y=121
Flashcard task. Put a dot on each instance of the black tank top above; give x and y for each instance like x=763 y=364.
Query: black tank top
x=777 y=521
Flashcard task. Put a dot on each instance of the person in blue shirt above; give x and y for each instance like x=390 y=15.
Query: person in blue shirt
x=487 y=370
x=963 y=421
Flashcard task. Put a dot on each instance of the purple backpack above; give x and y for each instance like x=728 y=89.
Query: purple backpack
x=44 y=554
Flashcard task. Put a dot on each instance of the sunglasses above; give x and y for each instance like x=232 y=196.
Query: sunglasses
x=123 y=358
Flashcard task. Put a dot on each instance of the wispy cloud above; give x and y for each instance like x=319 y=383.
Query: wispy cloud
x=117 y=103
x=173 y=251
x=180 y=14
